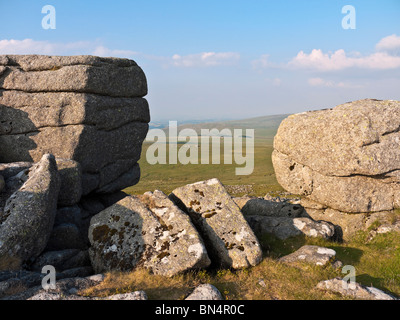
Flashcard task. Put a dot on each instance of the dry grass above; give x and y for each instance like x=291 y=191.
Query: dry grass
x=377 y=263
x=280 y=282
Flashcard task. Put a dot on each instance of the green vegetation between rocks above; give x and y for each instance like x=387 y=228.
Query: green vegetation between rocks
x=166 y=177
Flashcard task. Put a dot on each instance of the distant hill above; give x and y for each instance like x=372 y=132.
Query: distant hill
x=265 y=127
x=161 y=124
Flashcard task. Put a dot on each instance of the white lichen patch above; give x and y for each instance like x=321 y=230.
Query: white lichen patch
x=241 y=235
x=164 y=235
x=198 y=249
x=182 y=233
x=113 y=248
x=326 y=229
x=164 y=260
x=171 y=216
x=327 y=251
x=313 y=233
x=212 y=182
x=299 y=224
x=160 y=211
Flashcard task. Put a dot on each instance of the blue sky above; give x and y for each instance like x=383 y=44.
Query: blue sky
x=226 y=58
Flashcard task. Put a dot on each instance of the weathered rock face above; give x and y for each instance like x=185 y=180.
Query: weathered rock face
x=67 y=288
x=348 y=225
x=274 y=207
x=319 y=256
x=229 y=239
x=71 y=182
x=28 y=217
x=2 y=183
x=205 y=292
x=353 y=290
x=283 y=227
x=62 y=260
x=136 y=295
x=151 y=233
x=109 y=76
x=347 y=158
x=9 y=170
x=83 y=108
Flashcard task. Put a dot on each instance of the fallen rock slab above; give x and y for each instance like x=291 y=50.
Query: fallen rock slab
x=284 y=228
x=137 y=295
x=21 y=284
x=205 y=292
x=228 y=237
x=65 y=289
x=349 y=224
x=28 y=216
x=8 y=170
x=353 y=290
x=316 y=255
x=150 y=232
x=62 y=260
x=272 y=207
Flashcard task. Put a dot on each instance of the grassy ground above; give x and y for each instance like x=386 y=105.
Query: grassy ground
x=166 y=177
x=376 y=264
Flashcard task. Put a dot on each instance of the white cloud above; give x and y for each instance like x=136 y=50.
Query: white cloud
x=205 y=59
x=263 y=62
x=29 y=46
x=339 y=60
x=106 y=52
x=319 y=82
x=277 y=82
x=386 y=57
x=389 y=43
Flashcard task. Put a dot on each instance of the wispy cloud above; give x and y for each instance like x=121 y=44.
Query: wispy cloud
x=30 y=46
x=106 y=52
x=205 y=59
x=385 y=58
x=319 y=82
x=263 y=62
x=339 y=60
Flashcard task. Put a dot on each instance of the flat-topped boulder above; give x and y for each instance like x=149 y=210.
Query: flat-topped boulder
x=107 y=76
x=346 y=158
x=84 y=108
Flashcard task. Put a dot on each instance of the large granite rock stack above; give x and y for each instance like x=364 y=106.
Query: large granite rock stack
x=71 y=132
x=84 y=108
x=345 y=159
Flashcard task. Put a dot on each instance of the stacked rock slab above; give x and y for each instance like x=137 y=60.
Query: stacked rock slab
x=346 y=158
x=84 y=108
x=228 y=237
